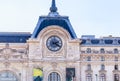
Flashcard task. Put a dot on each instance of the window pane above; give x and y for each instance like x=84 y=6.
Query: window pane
x=70 y=74
x=116 y=67
x=116 y=77
x=88 y=67
x=102 y=58
x=7 y=76
x=88 y=77
x=102 y=67
x=102 y=77
x=54 y=77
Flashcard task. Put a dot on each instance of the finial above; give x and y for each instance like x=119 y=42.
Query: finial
x=53 y=7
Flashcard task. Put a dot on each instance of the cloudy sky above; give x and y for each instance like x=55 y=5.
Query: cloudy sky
x=88 y=17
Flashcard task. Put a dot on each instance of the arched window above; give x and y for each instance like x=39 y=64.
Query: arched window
x=102 y=50
x=88 y=50
x=89 y=58
x=102 y=77
x=89 y=77
x=54 y=77
x=116 y=77
x=8 y=76
x=116 y=51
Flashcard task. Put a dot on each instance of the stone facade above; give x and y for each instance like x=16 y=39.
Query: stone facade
x=63 y=57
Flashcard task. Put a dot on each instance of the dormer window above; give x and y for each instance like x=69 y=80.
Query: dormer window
x=108 y=41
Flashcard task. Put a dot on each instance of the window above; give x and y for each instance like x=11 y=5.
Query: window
x=116 y=77
x=88 y=58
x=116 y=51
x=102 y=50
x=116 y=58
x=116 y=67
x=88 y=50
x=54 y=77
x=102 y=58
x=70 y=74
x=102 y=77
x=88 y=67
x=89 y=77
x=7 y=76
x=102 y=67
x=37 y=74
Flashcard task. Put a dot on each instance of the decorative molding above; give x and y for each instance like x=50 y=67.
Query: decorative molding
x=54 y=65
x=102 y=71
x=89 y=71
x=8 y=53
x=116 y=71
x=6 y=64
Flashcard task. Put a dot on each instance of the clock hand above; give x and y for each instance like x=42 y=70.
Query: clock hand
x=57 y=44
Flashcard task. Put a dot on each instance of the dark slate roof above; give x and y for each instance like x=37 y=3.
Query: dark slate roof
x=54 y=18
x=45 y=21
x=101 y=41
x=14 y=37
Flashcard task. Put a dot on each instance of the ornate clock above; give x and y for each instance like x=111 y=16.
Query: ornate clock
x=54 y=43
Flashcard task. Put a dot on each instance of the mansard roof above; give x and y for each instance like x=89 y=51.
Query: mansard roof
x=14 y=37
x=90 y=40
x=54 y=18
x=45 y=21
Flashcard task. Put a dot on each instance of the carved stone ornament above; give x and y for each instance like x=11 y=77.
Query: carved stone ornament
x=54 y=64
x=89 y=71
x=7 y=64
x=8 y=52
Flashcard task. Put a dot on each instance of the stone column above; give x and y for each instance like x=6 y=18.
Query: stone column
x=30 y=73
x=77 y=67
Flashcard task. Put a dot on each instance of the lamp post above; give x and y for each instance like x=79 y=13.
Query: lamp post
x=96 y=76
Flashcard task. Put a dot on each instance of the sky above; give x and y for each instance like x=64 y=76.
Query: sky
x=88 y=17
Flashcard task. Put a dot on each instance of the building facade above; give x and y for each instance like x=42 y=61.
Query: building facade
x=54 y=53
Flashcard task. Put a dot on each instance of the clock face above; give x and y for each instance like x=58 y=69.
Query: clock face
x=54 y=43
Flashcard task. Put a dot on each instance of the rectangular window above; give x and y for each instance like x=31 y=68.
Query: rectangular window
x=70 y=74
x=37 y=74
x=116 y=77
x=102 y=77
x=89 y=77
